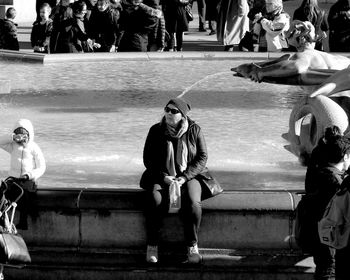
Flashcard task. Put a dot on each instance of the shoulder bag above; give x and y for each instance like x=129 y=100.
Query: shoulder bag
x=188 y=11
x=13 y=249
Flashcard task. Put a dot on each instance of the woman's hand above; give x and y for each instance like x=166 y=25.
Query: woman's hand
x=25 y=177
x=180 y=180
x=257 y=17
x=169 y=179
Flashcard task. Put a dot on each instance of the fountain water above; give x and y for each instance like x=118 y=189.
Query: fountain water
x=202 y=80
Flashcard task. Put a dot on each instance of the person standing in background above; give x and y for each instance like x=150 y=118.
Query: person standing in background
x=59 y=15
x=275 y=23
x=201 y=5
x=41 y=31
x=176 y=22
x=103 y=26
x=339 y=26
x=137 y=22
x=8 y=31
x=233 y=22
x=310 y=11
x=211 y=14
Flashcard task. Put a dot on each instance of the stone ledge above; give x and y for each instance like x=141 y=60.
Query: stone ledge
x=21 y=56
x=131 y=199
x=100 y=234
x=115 y=219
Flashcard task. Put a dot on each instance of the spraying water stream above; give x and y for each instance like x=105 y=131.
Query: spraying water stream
x=202 y=80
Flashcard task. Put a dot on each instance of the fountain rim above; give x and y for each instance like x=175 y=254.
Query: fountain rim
x=30 y=57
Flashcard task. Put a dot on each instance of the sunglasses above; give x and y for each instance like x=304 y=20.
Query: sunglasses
x=170 y=110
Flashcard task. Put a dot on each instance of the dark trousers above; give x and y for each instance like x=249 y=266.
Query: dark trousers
x=158 y=206
x=342 y=262
x=201 y=13
x=176 y=40
x=324 y=261
x=27 y=203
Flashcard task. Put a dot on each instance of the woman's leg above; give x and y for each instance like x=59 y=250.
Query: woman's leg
x=192 y=211
x=156 y=208
x=179 y=40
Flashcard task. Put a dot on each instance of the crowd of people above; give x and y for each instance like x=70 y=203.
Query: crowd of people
x=70 y=26
x=66 y=26
x=270 y=25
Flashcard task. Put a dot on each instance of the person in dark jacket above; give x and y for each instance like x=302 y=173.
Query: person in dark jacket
x=339 y=26
x=104 y=26
x=138 y=21
x=91 y=5
x=8 y=31
x=41 y=31
x=310 y=11
x=326 y=171
x=59 y=15
x=73 y=37
x=175 y=156
x=176 y=22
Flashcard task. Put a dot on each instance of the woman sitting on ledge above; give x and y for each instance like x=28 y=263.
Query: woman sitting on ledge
x=175 y=157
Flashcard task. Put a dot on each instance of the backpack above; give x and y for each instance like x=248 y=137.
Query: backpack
x=334 y=227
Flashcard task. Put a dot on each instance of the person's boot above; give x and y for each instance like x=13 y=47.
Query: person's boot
x=193 y=255
x=152 y=254
x=201 y=28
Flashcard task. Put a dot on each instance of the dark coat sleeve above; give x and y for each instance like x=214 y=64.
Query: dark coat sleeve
x=152 y=154
x=9 y=36
x=198 y=153
x=33 y=35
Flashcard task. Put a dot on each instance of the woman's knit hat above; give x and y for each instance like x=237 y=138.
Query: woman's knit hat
x=274 y=2
x=181 y=104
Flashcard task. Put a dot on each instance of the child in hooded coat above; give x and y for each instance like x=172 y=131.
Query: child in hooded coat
x=26 y=167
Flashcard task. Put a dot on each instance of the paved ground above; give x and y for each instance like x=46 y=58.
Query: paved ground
x=193 y=39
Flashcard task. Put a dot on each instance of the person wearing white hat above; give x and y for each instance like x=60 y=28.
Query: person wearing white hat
x=27 y=165
x=275 y=23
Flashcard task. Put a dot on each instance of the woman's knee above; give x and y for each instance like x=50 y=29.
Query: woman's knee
x=154 y=195
x=193 y=192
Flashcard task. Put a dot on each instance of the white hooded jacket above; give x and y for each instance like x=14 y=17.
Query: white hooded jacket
x=26 y=159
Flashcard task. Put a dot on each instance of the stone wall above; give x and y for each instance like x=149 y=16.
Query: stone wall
x=25 y=10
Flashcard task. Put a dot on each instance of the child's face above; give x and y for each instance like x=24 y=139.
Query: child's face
x=21 y=136
x=102 y=5
x=93 y=2
x=14 y=14
x=44 y=13
x=65 y=3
